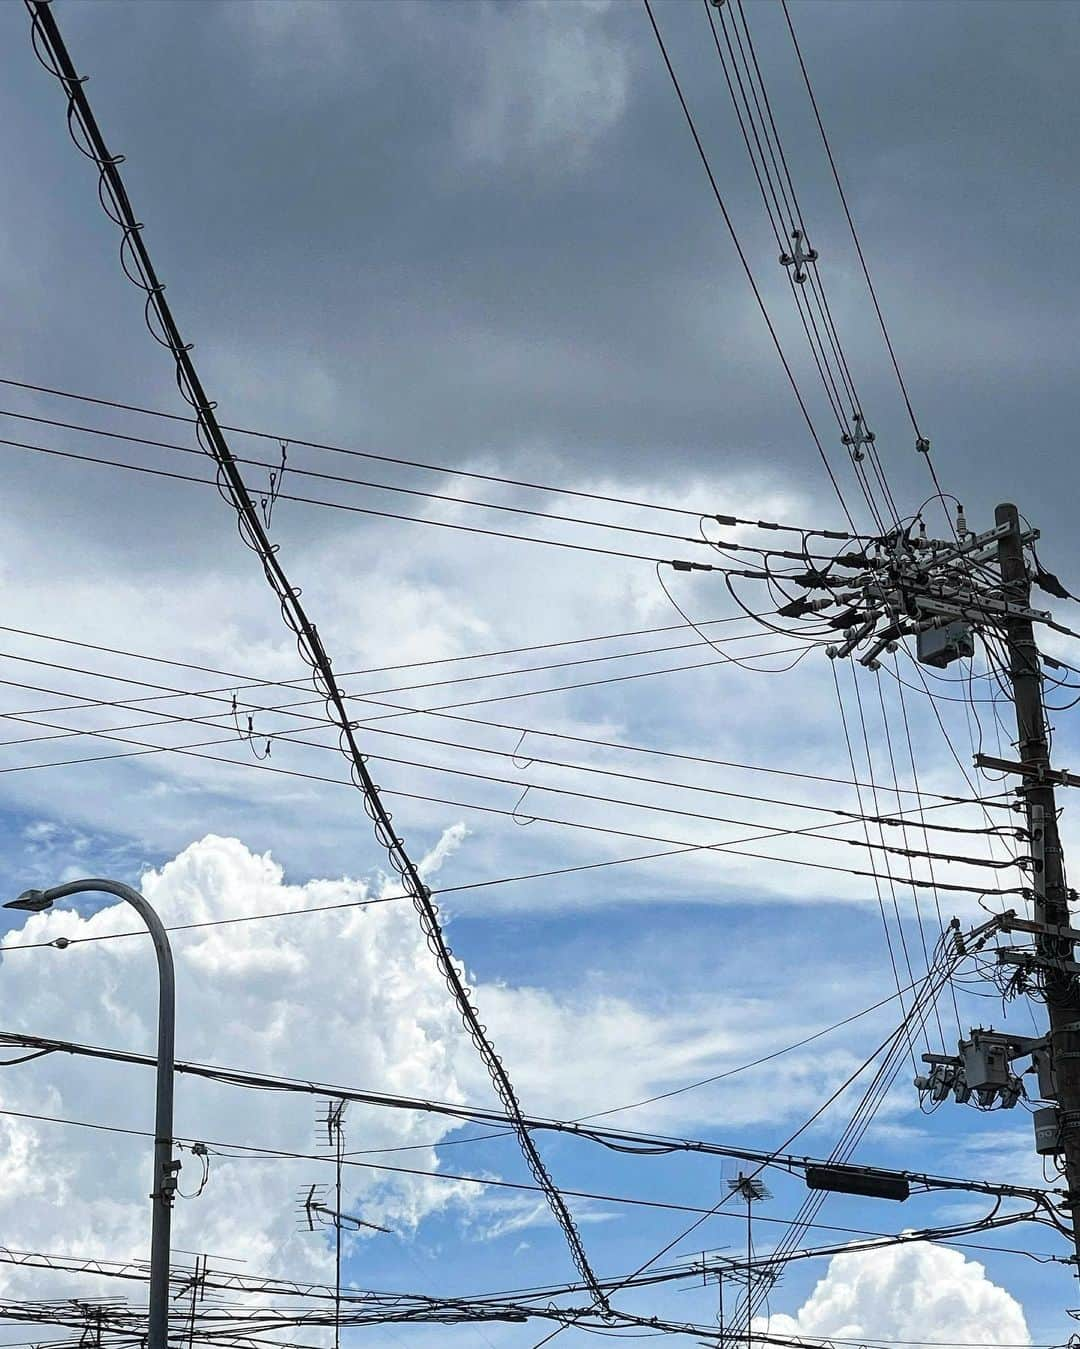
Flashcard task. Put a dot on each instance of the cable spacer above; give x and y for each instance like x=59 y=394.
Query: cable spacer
x=856 y=439
x=798 y=256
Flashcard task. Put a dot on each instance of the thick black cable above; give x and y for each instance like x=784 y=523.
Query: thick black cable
x=112 y=192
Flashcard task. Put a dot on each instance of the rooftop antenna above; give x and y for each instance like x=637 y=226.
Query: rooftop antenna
x=752 y=1190
x=316 y=1208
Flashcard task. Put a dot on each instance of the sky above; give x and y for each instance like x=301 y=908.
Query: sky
x=477 y=236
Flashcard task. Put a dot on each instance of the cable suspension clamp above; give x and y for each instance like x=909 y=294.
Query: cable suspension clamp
x=855 y=440
x=801 y=254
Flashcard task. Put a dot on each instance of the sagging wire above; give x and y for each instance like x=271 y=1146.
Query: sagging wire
x=726 y=655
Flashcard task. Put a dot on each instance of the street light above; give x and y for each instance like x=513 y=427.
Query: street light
x=165 y=1168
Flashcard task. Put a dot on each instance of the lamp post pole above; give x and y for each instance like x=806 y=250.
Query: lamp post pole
x=165 y=1168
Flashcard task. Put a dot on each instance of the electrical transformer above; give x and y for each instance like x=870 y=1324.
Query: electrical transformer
x=1047 y=1131
x=941 y=646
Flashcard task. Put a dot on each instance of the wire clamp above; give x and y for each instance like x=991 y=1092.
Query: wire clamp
x=801 y=254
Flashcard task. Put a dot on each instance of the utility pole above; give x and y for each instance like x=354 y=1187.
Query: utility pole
x=1054 y=949
x=941 y=593
x=165 y=1164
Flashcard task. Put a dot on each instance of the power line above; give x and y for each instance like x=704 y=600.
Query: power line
x=275 y=493
x=294 y=471
x=289 y=736
x=637 y=1143
x=197 y=751
x=533 y=731
x=746 y=266
x=172 y=475
x=445 y=469
x=922 y=444
x=827 y=351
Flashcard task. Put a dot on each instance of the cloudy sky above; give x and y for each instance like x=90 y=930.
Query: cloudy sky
x=477 y=236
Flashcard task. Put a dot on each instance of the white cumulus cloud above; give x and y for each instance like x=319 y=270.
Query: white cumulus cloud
x=344 y=995
x=907 y=1294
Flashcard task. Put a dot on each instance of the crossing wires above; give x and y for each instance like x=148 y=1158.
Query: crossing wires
x=136 y=262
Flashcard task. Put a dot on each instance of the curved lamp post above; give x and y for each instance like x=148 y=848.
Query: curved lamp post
x=165 y=1168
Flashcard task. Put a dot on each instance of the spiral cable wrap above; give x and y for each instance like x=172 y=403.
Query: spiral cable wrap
x=135 y=261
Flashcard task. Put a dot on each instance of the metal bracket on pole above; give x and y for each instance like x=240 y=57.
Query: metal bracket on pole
x=1059 y=777
x=1011 y=923
x=1031 y=959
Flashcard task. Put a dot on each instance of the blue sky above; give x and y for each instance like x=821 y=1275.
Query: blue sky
x=476 y=235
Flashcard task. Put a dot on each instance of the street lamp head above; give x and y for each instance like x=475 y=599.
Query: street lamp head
x=32 y=901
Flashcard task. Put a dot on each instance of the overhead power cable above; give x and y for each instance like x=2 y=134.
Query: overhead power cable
x=678 y=563
x=922 y=443
x=306 y=722
x=52 y=52
x=373 y=669
x=170 y=693
x=198 y=751
x=765 y=150
x=746 y=266
x=279 y=438
x=249 y=681
x=224 y=1280
x=802 y=555
x=625 y=1141
x=869 y=1103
